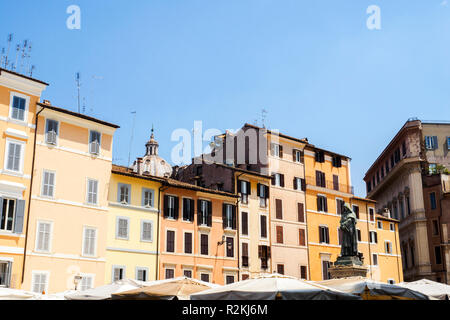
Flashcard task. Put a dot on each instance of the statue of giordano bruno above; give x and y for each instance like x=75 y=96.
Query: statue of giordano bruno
x=349 y=245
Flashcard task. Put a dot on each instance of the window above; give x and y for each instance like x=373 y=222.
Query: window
x=433 y=203
x=391 y=227
x=339 y=206
x=337 y=161
x=5 y=273
x=322 y=204
x=279 y=209
x=40 y=280
x=391 y=281
x=230 y=247
x=408 y=207
x=94 y=142
x=188 y=242
x=335 y=182
x=19 y=106
x=141 y=274
x=147 y=198
x=278 y=179
x=170 y=273
x=124 y=191
x=320 y=156
x=12 y=215
x=380 y=225
x=356 y=210
x=298 y=156
x=244 y=217
x=229 y=279
x=51 y=131
x=373 y=237
x=170 y=241
x=245 y=254
x=89 y=241
x=371 y=214
x=122 y=228
x=279 y=230
x=303 y=273
x=229 y=216
x=435 y=225
x=325 y=273
x=188 y=210
x=244 y=188
x=87 y=282
x=280 y=268
x=146 y=231
x=388 y=247
x=43 y=232
x=263 y=194
x=13 y=160
x=263 y=225
x=204 y=244
x=245 y=277
x=437 y=255
x=324 y=235
x=374 y=259
x=320 y=179
x=118 y=273
x=299 y=184
x=204 y=277
x=48 y=184
x=358 y=233
x=301 y=237
x=187 y=273
x=276 y=150
x=264 y=255
x=431 y=142
x=92 y=191
x=204 y=213
x=171 y=207
x=300 y=212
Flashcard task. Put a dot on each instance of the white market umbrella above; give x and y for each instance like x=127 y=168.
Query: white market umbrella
x=373 y=290
x=433 y=289
x=105 y=292
x=14 y=294
x=273 y=287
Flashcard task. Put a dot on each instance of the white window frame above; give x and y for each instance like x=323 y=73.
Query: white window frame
x=391 y=227
x=35 y=272
x=128 y=187
x=378 y=225
x=142 y=230
x=22 y=153
x=276 y=149
x=118 y=218
x=144 y=190
x=84 y=240
x=50 y=238
x=136 y=271
x=27 y=106
x=99 y=143
x=188 y=269
x=171 y=267
x=14 y=214
x=57 y=132
x=370 y=237
x=87 y=192
x=116 y=266
x=204 y=272
x=368 y=213
x=298 y=156
x=44 y=171
x=429 y=143
x=390 y=245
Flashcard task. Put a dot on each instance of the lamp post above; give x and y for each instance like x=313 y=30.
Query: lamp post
x=76 y=280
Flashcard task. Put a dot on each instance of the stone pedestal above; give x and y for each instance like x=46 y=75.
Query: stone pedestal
x=345 y=267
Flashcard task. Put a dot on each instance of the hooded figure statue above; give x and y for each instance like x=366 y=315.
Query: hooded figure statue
x=349 y=245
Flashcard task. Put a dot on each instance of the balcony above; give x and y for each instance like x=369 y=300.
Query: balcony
x=331 y=185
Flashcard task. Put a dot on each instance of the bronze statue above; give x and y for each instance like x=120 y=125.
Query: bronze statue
x=349 y=246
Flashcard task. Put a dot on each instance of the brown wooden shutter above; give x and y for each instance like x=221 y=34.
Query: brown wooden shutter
x=199 y=212
x=335 y=182
x=303 y=184
x=166 y=206
x=192 y=210
x=224 y=215
x=188 y=242
x=303 y=274
x=177 y=207
x=301 y=212
x=294 y=158
x=318 y=178
x=273 y=179
x=244 y=223
x=279 y=208
x=281 y=151
x=281 y=180
x=295 y=183
x=209 y=206
x=263 y=227
x=302 y=238
x=233 y=217
x=279 y=234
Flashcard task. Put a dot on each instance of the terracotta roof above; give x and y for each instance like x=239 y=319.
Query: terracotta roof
x=167 y=181
x=76 y=114
x=381 y=217
x=23 y=76
x=364 y=199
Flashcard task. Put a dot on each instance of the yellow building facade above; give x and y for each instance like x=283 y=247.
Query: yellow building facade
x=134 y=202
x=328 y=187
x=19 y=96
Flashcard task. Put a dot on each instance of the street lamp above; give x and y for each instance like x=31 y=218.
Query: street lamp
x=76 y=280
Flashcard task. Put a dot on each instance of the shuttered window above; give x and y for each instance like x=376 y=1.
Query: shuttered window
x=279 y=230
x=18 y=108
x=90 y=239
x=118 y=273
x=244 y=216
x=92 y=195
x=170 y=241
x=263 y=225
x=39 y=282
x=122 y=228
x=245 y=254
x=43 y=236
x=141 y=274
x=188 y=242
x=431 y=142
x=147 y=197
x=303 y=273
x=301 y=212
x=301 y=237
x=336 y=182
x=339 y=206
x=230 y=247
x=324 y=235
x=124 y=191
x=320 y=179
x=322 y=204
x=7 y=214
x=48 y=184
x=51 y=131
x=94 y=142
x=356 y=211
x=170 y=273
x=147 y=231
x=204 y=244
x=14 y=156
x=87 y=282
x=280 y=268
x=188 y=209
x=279 y=208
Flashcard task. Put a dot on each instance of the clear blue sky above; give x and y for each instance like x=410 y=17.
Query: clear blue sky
x=313 y=65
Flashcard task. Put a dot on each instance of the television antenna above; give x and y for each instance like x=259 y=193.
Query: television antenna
x=263 y=117
x=131 y=139
x=14 y=66
x=24 y=54
x=9 y=39
x=77 y=79
x=32 y=69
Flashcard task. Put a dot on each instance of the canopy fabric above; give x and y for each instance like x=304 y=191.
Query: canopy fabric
x=177 y=288
x=105 y=292
x=14 y=294
x=55 y=296
x=370 y=288
x=433 y=289
x=272 y=287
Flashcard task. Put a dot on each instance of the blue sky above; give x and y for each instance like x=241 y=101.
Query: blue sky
x=313 y=65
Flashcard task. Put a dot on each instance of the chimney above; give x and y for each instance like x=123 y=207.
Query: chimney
x=47 y=102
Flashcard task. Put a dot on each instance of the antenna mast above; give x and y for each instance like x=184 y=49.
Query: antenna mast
x=263 y=117
x=14 y=66
x=131 y=140
x=78 y=88
x=10 y=38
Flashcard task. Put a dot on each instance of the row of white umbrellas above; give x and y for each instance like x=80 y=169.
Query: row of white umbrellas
x=265 y=287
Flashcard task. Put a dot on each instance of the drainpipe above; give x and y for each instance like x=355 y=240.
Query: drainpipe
x=237 y=228
x=306 y=219
x=29 y=195
x=157 y=230
x=368 y=235
x=396 y=246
